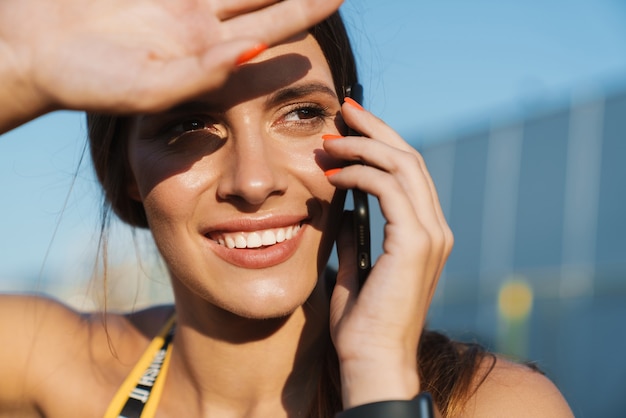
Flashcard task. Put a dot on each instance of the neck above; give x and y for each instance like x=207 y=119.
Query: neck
x=228 y=365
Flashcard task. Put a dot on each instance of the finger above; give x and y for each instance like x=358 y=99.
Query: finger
x=407 y=267
x=346 y=288
x=394 y=201
x=410 y=263
x=369 y=125
x=444 y=236
x=346 y=254
x=420 y=226
x=366 y=123
x=227 y=9
x=165 y=84
x=373 y=127
x=281 y=20
x=402 y=165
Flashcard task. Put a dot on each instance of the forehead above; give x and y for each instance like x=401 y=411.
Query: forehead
x=295 y=61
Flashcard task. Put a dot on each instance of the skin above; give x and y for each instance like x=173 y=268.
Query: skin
x=249 y=333
x=150 y=54
x=255 y=165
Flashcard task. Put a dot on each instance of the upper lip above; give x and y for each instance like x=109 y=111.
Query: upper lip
x=250 y=224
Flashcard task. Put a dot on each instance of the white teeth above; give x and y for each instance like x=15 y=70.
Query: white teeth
x=269 y=238
x=256 y=239
x=240 y=241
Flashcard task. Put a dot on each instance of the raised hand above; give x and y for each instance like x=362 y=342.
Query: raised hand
x=118 y=56
x=376 y=331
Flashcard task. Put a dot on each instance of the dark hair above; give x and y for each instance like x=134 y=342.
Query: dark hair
x=447 y=369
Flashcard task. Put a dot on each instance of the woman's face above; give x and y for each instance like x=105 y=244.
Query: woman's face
x=233 y=183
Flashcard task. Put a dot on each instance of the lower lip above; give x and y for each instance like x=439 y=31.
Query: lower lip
x=259 y=258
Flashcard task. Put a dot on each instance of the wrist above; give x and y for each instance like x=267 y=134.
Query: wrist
x=364 y=381
x=19 y=98
x=419 y=407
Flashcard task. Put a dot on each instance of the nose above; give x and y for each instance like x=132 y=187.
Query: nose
x=254 y=171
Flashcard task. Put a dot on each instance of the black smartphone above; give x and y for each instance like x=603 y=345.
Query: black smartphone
x=361 y=215
x=362 y=234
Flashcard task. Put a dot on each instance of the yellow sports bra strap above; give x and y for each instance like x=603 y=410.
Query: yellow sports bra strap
x=149 y=410
x=158 y=353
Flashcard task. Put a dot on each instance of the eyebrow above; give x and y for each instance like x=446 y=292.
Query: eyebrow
x=295 y=92
x=283 y=95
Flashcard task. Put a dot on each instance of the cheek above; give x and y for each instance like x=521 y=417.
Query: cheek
x=152 y=170
x=307 y=165
x=161 y=173
x=310 y=171
x=169 y=194
x=166 y=201
x=326 y=162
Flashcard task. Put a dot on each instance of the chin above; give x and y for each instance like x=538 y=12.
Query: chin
x=268 y=302
x=263 y=313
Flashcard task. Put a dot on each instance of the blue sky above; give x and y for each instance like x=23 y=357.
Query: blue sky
x=428 y=67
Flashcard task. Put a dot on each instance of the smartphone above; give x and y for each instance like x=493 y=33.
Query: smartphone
x=361 y=215
x=361 y=234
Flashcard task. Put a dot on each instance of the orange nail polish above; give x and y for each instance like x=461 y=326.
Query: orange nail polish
x=251 y=53
x=353 y=103
x=331 y=172
x=331 y=136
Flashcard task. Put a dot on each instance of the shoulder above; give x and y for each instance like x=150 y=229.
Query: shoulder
x=27 y=321
x=45 y=340
x=505 y=388
x=43 y=324
x=31 y=328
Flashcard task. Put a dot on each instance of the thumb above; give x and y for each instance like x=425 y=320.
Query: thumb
x=346 y=252
x=346 y=288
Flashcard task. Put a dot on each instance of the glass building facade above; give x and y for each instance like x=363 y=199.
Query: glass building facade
x=538 y=271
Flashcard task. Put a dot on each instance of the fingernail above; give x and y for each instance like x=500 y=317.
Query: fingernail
x=331 y=136
x=331 y=172
x=251 y=53
x=353 y=103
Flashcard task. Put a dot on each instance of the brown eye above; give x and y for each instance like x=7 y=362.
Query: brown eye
x=302 y=114
x=191 y=126
x=301 y=119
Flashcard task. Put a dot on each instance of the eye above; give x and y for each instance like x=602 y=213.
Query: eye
x=302 y=118
x=304 y=113
x=191 y=126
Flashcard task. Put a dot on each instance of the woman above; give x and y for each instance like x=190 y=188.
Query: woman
x=241 y=181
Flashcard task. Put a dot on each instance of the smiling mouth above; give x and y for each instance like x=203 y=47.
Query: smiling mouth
x=255 y=239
